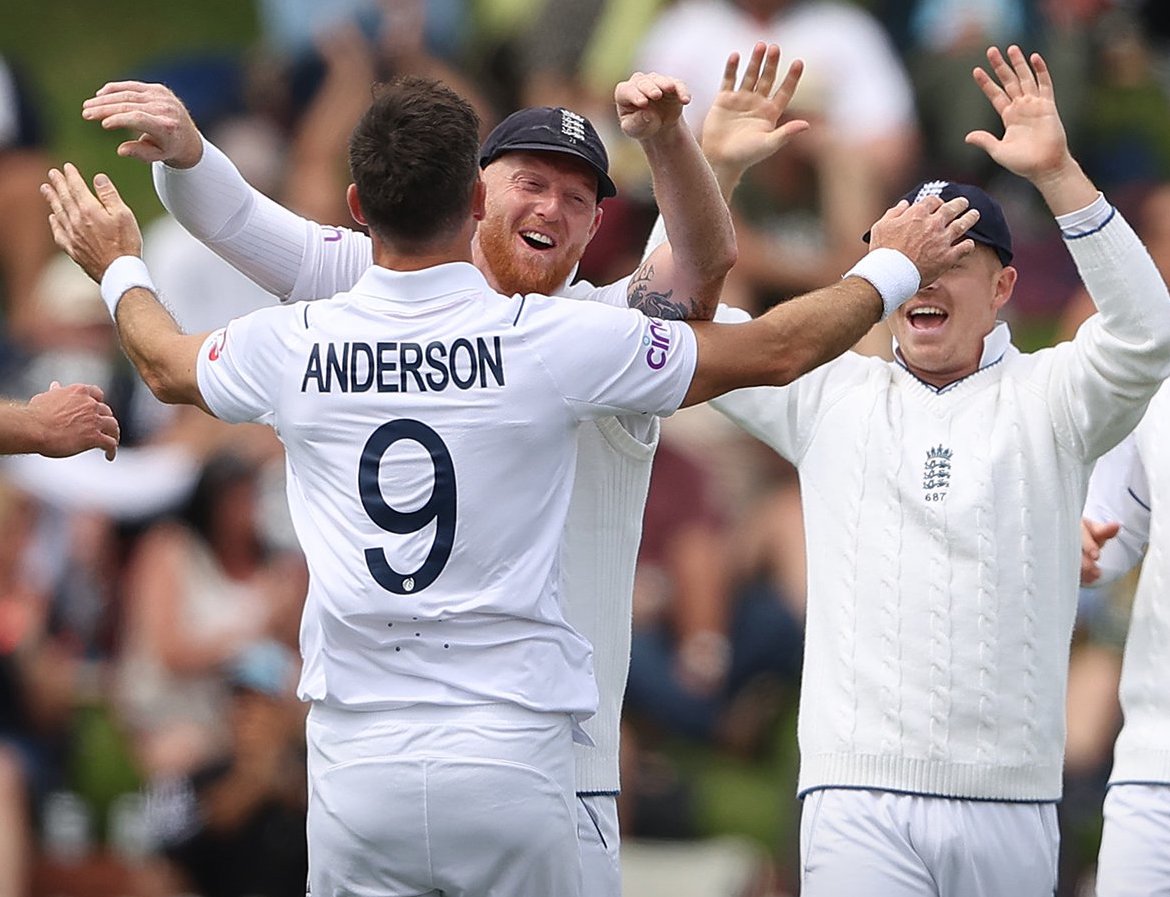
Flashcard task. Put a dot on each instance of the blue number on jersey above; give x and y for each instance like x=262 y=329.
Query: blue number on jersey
x=440 y=507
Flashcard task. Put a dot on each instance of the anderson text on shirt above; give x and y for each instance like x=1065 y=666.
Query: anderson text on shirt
x=404 y=366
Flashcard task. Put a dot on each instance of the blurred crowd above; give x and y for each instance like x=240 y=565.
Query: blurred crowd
x=149 y=606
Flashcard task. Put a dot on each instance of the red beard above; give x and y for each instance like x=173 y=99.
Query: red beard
x=519 y=275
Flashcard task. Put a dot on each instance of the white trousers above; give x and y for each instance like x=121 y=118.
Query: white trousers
x=884 y=844
x=597 y=833
x=1135 y=843
x=462 y=801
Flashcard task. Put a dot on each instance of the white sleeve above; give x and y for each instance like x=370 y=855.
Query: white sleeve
x=239 y=367
x=606 y=360
x=1104 y=379
x=287 y=255
x=1119 y=493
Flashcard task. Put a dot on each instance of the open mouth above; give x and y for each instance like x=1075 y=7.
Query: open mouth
x=927 y=317
x=537 y=240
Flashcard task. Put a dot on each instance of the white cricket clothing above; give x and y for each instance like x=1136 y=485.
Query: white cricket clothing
x=1135 y=845
x=944 y=541
x=464 y=802
x=297 y=259
x=430 y=426
x=1131 y=485
x=905 y=845
x=599 y=844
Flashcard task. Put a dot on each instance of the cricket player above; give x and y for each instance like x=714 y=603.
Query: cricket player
x=942 y=495
x=531 y=239
x=1124 y=525
x=445 y=684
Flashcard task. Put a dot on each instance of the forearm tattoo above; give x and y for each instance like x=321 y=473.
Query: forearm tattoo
x=656 y=304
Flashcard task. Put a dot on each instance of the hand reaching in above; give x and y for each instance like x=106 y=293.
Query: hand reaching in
x=166 y=131
x=73 y=419
x=1093 y=536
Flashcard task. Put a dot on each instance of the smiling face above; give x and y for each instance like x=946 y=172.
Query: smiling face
x=541 y=211
x=940 y=330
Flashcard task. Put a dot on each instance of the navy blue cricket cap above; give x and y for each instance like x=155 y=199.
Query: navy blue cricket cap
x=553 y=130
x=991 y=229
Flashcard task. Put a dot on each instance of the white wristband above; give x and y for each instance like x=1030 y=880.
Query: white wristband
x=125 y=273
x=892 y=274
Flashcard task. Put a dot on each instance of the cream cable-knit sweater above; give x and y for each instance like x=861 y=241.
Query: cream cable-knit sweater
x=943 y=541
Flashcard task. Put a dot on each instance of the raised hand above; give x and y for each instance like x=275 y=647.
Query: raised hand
x=167 y=133
x=929 y=233
x=648 y=102
x=72 y=419
x=93 y=229
x=743 y=126
x=1093 y=536
x=1034 y=144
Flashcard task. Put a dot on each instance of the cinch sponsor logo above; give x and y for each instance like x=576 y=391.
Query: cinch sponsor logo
x=330 y=234
x=658 y=339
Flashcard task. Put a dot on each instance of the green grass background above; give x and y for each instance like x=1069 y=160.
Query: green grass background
x=69 y=48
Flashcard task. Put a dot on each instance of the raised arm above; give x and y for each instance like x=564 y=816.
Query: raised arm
x=100 y=233
x=1034 y=145
x=910 y=245
x=287 y=255
x=1101 y=382
x=746 y=124
x=681 y=279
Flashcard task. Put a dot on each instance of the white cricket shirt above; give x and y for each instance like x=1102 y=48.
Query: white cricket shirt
x=431 y=429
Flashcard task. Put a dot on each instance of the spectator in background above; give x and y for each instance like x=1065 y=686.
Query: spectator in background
x=941 y=41
x=25 y=244
x=701 y=641
x=1126 y=131
x=236 y=826
x=37 y=678
x=199 y=592
x=805 y=207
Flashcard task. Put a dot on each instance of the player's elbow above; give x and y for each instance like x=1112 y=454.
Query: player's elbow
x=165 y=383
x=717 y=264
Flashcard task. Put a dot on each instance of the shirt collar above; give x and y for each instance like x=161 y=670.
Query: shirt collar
x=995 y=344
x=427 y=283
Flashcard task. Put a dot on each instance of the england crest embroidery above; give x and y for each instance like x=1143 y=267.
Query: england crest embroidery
x=936 y=474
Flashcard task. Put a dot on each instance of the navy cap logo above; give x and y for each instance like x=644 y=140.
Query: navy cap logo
x=572 y=126
x=931 y=188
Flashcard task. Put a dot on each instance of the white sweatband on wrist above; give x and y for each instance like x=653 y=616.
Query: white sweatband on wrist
x=892 y=274
x=125 y=273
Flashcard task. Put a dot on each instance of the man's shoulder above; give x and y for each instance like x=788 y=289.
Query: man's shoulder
x=615 y=294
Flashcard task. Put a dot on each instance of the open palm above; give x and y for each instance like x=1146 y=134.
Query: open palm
x=1033 y=141
x=743 y=126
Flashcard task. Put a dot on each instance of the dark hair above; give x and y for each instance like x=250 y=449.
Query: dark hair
x=413 y=158
x=220 y=473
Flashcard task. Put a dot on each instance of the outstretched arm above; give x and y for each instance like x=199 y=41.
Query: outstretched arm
x=287 y=255
x=58 y=423
x=97 y=231
x=910 y=245
x=1101 y=382
x=682 y=279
